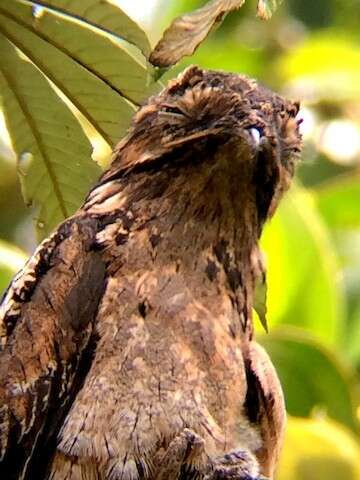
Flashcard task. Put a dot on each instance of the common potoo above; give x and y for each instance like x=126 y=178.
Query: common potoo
x=127 y=346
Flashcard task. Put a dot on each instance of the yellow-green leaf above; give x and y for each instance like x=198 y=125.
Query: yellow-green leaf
x=53 y=152
x=12 y=259
x=312 y=376
x=305 y=287
x=310 y=67
x=104 y=15
x=116 y=63
x=319 y=449
x=101 y=105
x=353 y=337
x=338 y=202
x=260 y=301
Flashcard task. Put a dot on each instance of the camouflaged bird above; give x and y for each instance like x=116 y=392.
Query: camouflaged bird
x=127 y=346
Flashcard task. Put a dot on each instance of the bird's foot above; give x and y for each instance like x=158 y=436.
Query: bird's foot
x=235 y=465
x=186 y=459
x=184 y=454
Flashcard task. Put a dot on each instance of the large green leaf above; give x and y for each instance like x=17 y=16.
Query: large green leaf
x=311 y=375
x=103 y=15
x=339 y=201
x=102 y=76
x=304 y=283
x=54 y=153
x=118 y=65
x=101 y=105
x=319 y=449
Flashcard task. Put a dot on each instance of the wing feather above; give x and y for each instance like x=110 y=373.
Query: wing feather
x=47 y=319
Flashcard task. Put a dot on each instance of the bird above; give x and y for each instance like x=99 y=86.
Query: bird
x=127 y=340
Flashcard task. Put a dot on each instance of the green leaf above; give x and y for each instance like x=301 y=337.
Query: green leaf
x=102 y=106
x=266 y=8
x=12 y=259
x=53 y=152
x=353 y=337
x=104 y=15
x=260 y=302
x=119 y=65
x=339 y=200
x=319 y=449
x=305 y=287
x=310 y=67
x=101 y=76
x=311 y=375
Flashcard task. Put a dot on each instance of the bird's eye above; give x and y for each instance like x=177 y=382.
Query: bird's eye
x=256 y=135
x=171 y=110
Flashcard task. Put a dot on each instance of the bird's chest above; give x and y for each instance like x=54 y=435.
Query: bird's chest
x=170 y=346
x=167 y=359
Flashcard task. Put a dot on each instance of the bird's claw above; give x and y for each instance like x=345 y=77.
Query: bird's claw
x=185 y=448
x=185 y=458
x=235 y=465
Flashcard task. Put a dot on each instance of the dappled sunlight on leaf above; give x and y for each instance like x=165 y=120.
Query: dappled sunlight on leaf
x=104 y=15
x=319 y=449
x=353 y=340
x=325 y=66
x=339 y=201
x=340 y=141
x=312 y=376
x=58 y=170
x=12 y=259
x=6 y=152
x=95 y=72
x=304 y=281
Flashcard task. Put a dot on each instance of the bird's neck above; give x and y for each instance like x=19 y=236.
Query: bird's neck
x=203 y=222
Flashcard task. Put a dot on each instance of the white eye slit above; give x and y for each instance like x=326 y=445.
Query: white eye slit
x=256 y=135
x=172 y=110
x=171 y=115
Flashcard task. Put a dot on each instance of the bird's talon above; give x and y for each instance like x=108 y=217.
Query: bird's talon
x=235 y=465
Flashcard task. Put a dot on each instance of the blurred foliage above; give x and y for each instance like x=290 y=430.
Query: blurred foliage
x=319 y=449
x=308 y=50
x=12 y=259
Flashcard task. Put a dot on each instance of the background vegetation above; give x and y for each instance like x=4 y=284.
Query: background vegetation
x=308 y=50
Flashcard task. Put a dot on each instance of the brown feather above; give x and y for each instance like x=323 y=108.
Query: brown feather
x=128 y=339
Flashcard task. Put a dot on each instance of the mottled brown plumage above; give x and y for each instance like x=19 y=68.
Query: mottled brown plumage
x=127 y=340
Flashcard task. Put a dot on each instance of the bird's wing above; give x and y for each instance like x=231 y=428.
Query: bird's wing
x=265 y=406
x=46 y=320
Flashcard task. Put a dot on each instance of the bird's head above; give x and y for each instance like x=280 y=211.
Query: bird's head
x=207 y=118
